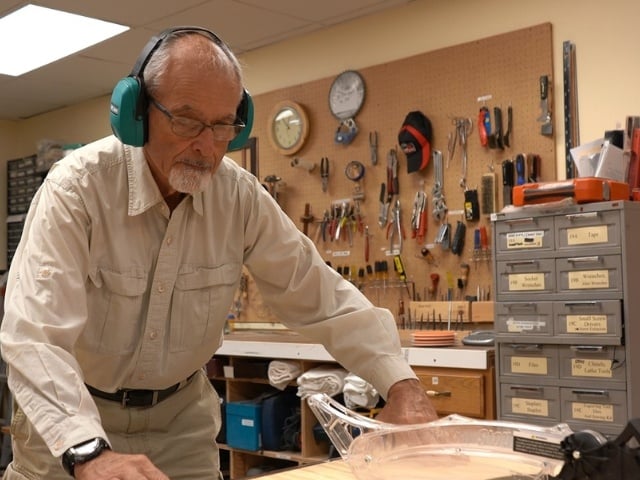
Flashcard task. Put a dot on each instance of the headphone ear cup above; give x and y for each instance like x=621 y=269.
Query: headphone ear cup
x=245 y=114
x=128 y=114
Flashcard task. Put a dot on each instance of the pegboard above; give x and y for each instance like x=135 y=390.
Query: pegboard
x=443 y=84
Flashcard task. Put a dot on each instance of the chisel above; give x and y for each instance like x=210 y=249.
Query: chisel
x=507 y=182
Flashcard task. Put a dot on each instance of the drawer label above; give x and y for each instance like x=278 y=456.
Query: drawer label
x=588 y=279
x=519 y=240
x=519 y=326
x=529 y=406
x=591 y=368
x=587 y=235
x=526 y=281
x=532 y=365
x=587 y=324
x=592 y=411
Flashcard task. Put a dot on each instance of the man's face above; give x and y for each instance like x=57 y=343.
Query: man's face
x=199 y=92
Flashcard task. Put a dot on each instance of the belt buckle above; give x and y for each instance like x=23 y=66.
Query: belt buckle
x=126 y=399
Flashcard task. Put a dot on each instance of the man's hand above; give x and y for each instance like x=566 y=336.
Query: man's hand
x=109 y=465
x=407 y=402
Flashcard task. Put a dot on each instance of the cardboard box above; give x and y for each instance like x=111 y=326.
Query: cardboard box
x=244 y=425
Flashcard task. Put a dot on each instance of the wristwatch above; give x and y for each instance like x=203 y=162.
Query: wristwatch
x=82 y=453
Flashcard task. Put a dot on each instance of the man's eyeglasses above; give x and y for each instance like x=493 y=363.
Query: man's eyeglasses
x=190 y=127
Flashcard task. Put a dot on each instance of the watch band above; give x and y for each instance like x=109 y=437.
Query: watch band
x=82 y=453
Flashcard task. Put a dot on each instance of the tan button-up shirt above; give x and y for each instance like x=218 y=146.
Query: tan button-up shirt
x=109 y=288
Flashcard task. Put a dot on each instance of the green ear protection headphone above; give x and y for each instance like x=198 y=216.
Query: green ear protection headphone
x=129 y=102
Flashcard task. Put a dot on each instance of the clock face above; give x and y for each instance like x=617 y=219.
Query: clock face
x=288 y=127
x=346 y=95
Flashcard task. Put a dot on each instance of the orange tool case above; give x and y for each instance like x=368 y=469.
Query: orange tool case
x=583 y=190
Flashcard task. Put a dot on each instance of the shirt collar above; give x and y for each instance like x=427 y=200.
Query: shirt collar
x=143 y=190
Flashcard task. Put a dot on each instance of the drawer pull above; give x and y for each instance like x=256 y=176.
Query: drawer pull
x=520 y=306
x=515 y=264
x=576 y=216
x=520 y=221
x=526 y=346
x=588 y=348
x=520 y=388
x=434 y=393
x=594 y=393
x=595 y=259
x=583 y=303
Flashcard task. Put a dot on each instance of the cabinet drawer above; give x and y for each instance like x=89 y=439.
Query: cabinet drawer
x=528 y=359
x=525 y=235
x=589 y=321
x=592 y=273
x=530 y=403
x=595 y=406
x=595 y=363
x=523 y=277
x=524 y=318
x=455 y=393
x=588 y=230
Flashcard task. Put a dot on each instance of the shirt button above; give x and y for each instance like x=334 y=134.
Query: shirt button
x=169 y=240
x=153 y=335
x=45 y=272
x=161 y=288
x=141 y=376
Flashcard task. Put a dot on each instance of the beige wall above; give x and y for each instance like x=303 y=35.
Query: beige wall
x=606 y=36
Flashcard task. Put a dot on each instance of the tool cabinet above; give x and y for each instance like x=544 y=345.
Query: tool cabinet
x=567 y=283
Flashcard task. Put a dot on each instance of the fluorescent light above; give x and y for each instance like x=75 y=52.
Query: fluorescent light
x=34 y=36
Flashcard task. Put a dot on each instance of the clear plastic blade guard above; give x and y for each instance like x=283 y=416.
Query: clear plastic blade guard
x=451 y=448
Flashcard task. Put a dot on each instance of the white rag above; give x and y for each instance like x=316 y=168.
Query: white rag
x=281 y=372
x=358 y=393
x=323 y=379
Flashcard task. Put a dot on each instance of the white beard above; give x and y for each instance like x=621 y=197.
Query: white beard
x=189 y=179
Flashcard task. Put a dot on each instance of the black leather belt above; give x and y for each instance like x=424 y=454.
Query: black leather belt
x=139 y=398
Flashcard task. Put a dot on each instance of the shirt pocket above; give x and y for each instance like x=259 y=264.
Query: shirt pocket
x=116 y=310
x=201 y=300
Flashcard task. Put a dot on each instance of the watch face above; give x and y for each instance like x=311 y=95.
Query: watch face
x=346 y=95
x=287 y=128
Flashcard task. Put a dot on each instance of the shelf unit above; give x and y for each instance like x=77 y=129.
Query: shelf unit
x=566 y=283
x=459 y=380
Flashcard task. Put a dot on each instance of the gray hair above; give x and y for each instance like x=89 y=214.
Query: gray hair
x=156 y=66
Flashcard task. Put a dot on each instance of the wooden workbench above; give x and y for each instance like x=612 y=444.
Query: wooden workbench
x=336 y=470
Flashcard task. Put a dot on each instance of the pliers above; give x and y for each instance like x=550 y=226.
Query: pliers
x=395 y=228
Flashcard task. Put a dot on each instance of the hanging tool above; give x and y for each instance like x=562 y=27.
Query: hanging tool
x=385 y=203
x=395 y=229
x=570 y=93
x=533 y=167
x=393 y=186
x=507 y=182
x=428 y=256
x=306 y=219
x=520 y=169
x=457 y=245
x=324 y=173
x=545 y=105
x=344 y=211
x=477 y=249
x=419 y=216
x=433 y=288
x=354 y=171
x=484 y=243
x=323 y=228
x=373 y=147
x=439 y=209
x=506 y=138
x=366 y=243
x=464 y=127
x=484 y=126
